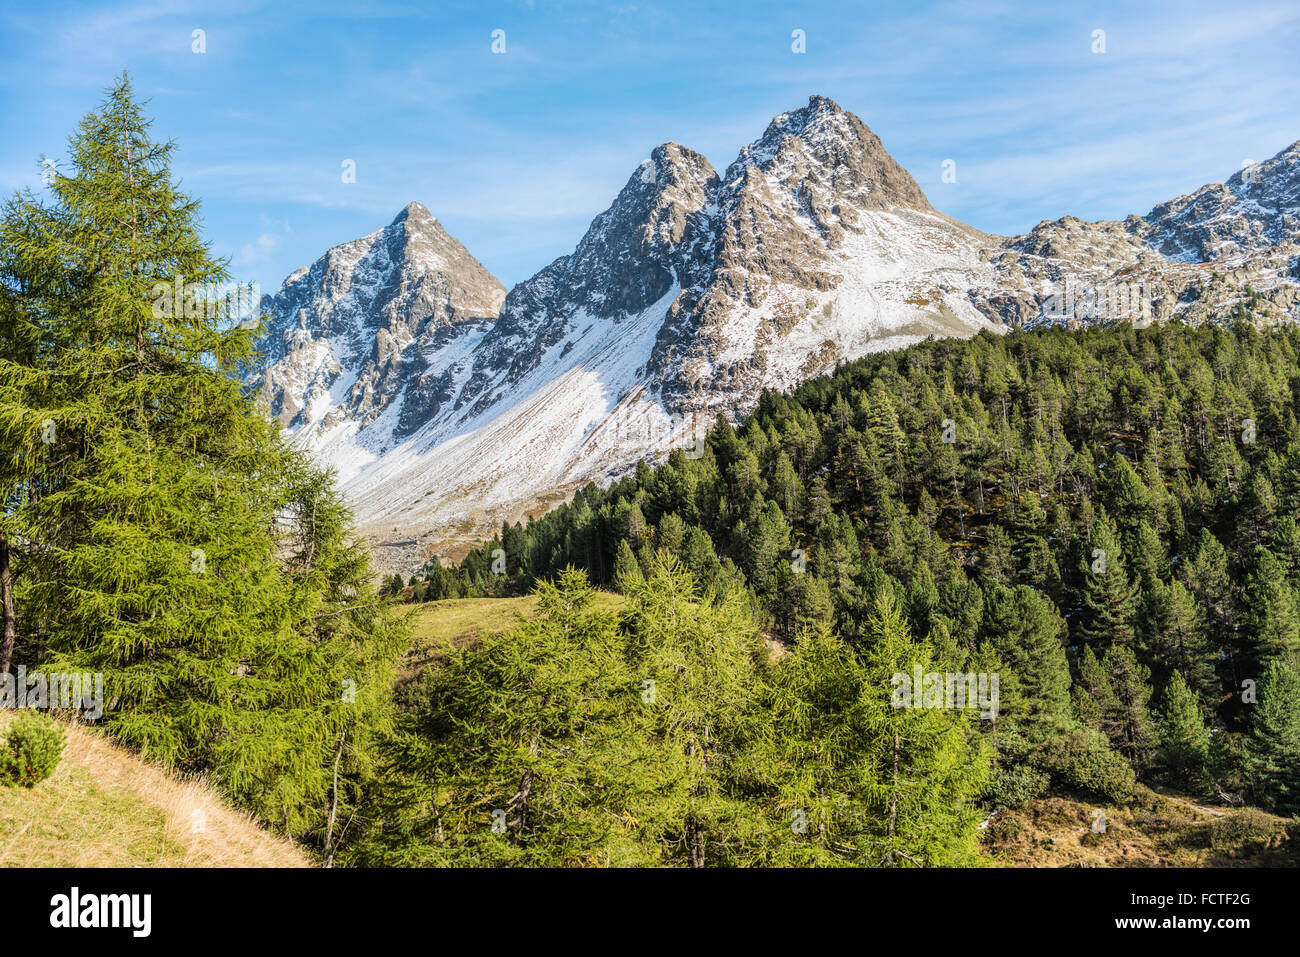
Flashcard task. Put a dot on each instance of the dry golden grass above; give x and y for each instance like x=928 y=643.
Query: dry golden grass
x=1159 y=830
x=105 y=807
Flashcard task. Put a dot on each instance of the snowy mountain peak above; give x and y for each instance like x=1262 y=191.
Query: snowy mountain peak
x=629 y=257
x=644 y=245
x=824 y=149
x=354 y=335
x=821 y=122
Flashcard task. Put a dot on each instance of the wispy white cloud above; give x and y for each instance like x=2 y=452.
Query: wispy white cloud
x=258 y=252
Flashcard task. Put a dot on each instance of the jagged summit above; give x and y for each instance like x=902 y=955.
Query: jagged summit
x=686 y=297
x=1282 y=170
x=634 y=251
x=825 y=149
x=1257 y=207
x=415 y=219
x=415 y=210
x=679 y=183
x=821 y=121
x=355 y=334
x=630 y=257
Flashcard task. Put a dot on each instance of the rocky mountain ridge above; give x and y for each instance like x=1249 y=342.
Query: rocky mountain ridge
x=448 y=405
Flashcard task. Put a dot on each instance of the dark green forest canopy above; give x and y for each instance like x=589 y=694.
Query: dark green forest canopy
x=1100 y=509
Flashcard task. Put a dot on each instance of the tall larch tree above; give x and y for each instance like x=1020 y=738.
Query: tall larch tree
x=166 y=538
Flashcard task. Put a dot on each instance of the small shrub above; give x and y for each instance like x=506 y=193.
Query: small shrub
x=1095 y=838
x=1081 y=761
x=1246 y=831
x=1005 y=829
x=1015 y=787
x=30 y=751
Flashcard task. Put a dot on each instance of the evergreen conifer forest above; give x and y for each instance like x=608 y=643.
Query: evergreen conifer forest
x=1105 y=519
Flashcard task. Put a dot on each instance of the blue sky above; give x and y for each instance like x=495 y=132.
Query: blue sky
x=516 y=152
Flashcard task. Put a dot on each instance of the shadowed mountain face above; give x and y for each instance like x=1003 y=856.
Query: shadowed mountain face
x=448 y=405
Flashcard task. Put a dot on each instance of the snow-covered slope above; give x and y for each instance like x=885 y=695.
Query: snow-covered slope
x=687 y=297
x=374 y=337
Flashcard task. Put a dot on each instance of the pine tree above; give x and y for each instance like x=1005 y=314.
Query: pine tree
x=1208 y=578
x=1128 y=722
x=882 y=423
x=521 y=752
x=671 y=533
x=785 y=488
x=767 y=544
x=1094 y=699
x=925 y=769
x=803 y=602
x=1148 y=564
x=627 y=570
x=169 y=539
x=1273 y=747
x=811 y=762
x=996 y=562
x=1179 y=643
x=1109 y=598
x=1286 y=544
x=1028 y=635
x=1272 y=609
x=636 y=525
x=1034 y=559
x=699 y=556
x=1130 y=500
x=1184 y=741
x=701 y=660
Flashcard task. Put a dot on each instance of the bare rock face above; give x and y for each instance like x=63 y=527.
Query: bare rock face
x=362 y=333
x=1257 y=208
x=809 y=227
x=1198 y=258
x=448 y=406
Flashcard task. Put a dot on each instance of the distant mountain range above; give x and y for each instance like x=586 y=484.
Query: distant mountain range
x=447 y=404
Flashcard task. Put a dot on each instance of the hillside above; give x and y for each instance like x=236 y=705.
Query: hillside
x=1102 y=519
x=1059 y=829
x=695 y=290
x=437 y=627
x=105 y=807
x=1166 y=831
